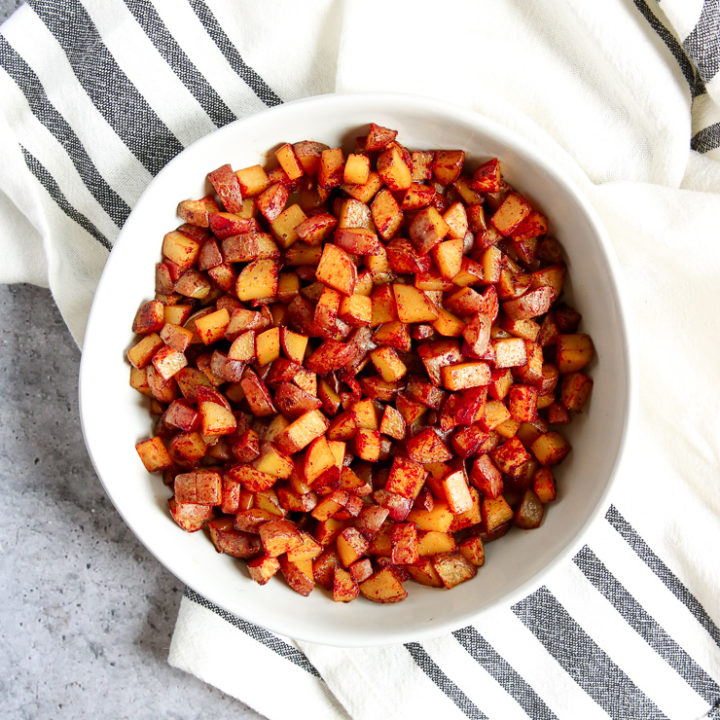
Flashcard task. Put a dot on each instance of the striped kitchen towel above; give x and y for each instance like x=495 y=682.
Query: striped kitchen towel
x=96 y=96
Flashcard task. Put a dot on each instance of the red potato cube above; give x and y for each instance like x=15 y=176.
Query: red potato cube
x=253 y=180
x=487 y=177
x=367 y=444
x=272 y=201
x=154 y=454
x=456 y=492
x=417 y=196
x=262 y=568
x=267 y=346
x=150 y=318
x=486 y=477
x=495 y=414
x=202 y=487
x=575 y=391
x=257 y=394
x=413 y=305
x=279 y=536
x=319 y=462
x=379 y=137
x=249 y=246
x=510 y=456
x=331 y=168
x=227 y=186
x=351 y=546
x=386 y=214
x=211 y=327
x=512 y=211
x=427 y=229
x=356 y=309
x=531 y=304
x=298 y=575
x=308 y=152
x=427 y=447
x=301 y=432
x=224 y=225
x=293 y=344
x=180 y=414
x=315 y=229
x=191 y=517
x=402 y=258
x=473 y=551
x=284 y=226
x=453 y=569
x=457 y=220
x=233 y=542
x=246 y=447
x=534 y=225
x=345 y=587
x=573 y=352
x=438 y=355
x=406 y=477
x=273 y=462
x=142 y=352
x=465 y=375
x=393 y=334
x=393 y=169
x=168 y=362
x=523 y=403
x=495 y=513
x=448 y=165
x=404 y=544
x=289 y=162
x=544 y=485
x=392 y=423
x=257 y=280
x=448 y=256
x=242 y=348
x=357 y=240
x=336 y=270
x=388 y=364
x=477 y=334
x=510 y=352
x=196 y=212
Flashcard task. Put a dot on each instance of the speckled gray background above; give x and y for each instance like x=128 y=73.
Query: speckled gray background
x=86 y=613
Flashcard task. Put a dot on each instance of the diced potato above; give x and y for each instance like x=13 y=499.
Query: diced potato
x=413 y=305
x=258 y=279
x=383 y=587
x=336 y=270
x=154 y=454
x=453 y=569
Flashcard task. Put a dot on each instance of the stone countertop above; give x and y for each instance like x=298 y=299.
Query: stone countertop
x=86 y=613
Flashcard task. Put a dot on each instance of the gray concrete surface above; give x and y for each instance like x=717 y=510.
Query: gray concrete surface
x=86 y=613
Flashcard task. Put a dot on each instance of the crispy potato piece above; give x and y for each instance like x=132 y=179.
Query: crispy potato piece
x=383 y=587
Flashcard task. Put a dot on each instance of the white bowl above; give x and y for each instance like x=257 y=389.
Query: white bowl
x=115 y=417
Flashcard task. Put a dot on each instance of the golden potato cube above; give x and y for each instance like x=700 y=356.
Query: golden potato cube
x=383 y=587
x=210 y=328
x=440 y=518
x=181 y=249
x=141 y=353
x=388 y=364
x=285 y=224
x=433 y=542
x=267 y=346
x=253 y=180
x=573 y=352
x=413 y=305
x=472 y=550
x=351 y=545
x=357 y=169
x=154 y=454
x=258 y=279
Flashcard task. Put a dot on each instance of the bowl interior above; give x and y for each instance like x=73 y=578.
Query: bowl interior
x=115 y=417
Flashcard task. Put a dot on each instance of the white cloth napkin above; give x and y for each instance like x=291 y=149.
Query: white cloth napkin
x=96 y=96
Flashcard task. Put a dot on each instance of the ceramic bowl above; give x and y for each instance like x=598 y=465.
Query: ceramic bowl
x=115 y=417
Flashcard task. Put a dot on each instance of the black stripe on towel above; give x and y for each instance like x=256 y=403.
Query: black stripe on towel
x=53 y=189
x=706 y=139
x=451 y=690
x=694 y=81
x=585 y=662
x=669 y=579
x=496 y=665
x=47 y=114
x=180 y=63
x=703 y=43
x=264 y=637
x=110 y=90
x=645 y=625
x=251 y=78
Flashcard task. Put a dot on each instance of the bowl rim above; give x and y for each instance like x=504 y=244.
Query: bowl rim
x=494 y=129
